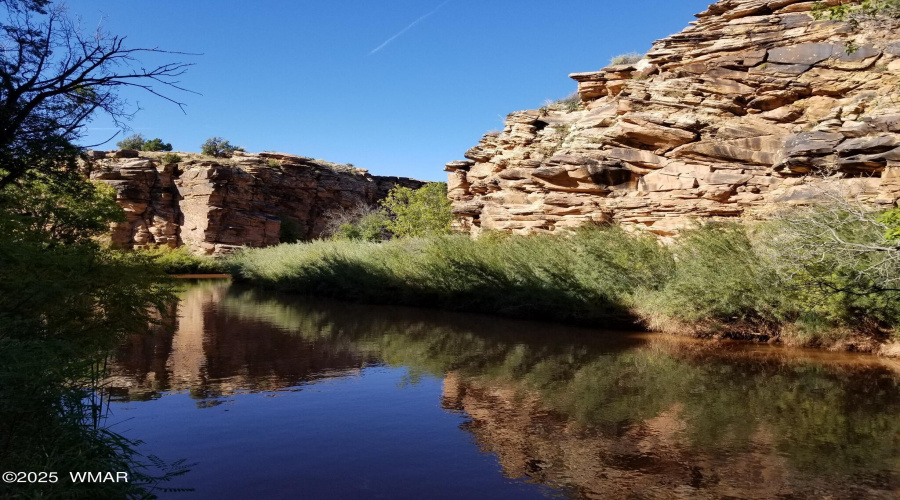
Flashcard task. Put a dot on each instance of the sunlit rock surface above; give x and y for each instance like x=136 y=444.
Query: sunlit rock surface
x=216 y=205
x=751 y=107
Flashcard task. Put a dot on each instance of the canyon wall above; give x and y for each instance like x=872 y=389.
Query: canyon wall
x=216 y=205
x=756 y=105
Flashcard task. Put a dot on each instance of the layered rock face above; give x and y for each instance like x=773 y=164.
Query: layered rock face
x=756 y=105
x=215 y=206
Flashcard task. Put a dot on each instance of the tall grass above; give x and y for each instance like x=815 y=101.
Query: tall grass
x=586 y=277
x=721 y=279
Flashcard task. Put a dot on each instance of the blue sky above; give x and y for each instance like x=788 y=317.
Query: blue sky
x=304 y=77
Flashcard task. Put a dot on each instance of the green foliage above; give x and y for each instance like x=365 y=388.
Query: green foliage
x=371 y=227
x=133 y=141
x=218 y=147
x=62 y=209
x=629 y=58
x=156 y=145
x=139 y=143
x=65 y=301
x=273 y=163
x=582 y=278
x=420 y=212
x=779 y=278
x=719 y=277
x=181 y=261
x=170 y=158
x=891 y=219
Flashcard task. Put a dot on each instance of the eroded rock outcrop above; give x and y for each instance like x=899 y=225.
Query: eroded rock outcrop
x=216 y=205
x=747 y=109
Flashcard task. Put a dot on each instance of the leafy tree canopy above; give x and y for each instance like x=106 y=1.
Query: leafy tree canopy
x=418 y=212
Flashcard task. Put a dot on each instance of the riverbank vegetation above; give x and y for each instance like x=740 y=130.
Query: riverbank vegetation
x=824 y=275
x=65 y=299
x=65 y=302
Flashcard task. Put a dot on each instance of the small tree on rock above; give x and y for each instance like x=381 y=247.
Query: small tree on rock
x=156 y=145
x=218 y=147
x=133 y=141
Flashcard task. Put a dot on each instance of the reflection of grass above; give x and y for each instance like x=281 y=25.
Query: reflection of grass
x=823 y=419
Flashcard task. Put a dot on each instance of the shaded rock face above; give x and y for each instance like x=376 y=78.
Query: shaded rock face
x=749 y=108
x=215 y=206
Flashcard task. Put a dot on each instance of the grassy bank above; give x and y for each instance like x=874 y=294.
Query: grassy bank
x=181 y=261
x=775 y=280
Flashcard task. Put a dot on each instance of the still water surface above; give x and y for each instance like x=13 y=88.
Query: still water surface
x=288 y=397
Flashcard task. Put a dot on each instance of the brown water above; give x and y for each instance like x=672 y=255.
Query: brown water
x=286 y=397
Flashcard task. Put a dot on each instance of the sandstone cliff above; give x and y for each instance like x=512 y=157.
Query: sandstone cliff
x=746 y=109
x=216 y=205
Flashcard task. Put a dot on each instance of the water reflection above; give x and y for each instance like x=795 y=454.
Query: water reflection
x=590 y=414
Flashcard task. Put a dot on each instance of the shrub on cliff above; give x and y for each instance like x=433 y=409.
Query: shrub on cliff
x=218 y=147
x=156 y=145
x=418 y=212
x=133 y=141
x=170 y=158
x=629 y=58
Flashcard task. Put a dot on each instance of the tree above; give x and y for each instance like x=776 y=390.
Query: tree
x=54 y=78
x=134 y=141
x=418 y=212
x=156 y=145
x=218 y=147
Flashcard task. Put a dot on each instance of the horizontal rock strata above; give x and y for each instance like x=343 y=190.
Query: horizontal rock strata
x=216 y=205
x=754 y=106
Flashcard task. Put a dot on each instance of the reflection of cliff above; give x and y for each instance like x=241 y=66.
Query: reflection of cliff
x=648 y=459
x=207 y=352
x=593 y=413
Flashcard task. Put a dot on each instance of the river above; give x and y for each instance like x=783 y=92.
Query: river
x=273 y=396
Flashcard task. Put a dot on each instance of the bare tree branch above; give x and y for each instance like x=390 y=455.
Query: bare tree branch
x=54 y=78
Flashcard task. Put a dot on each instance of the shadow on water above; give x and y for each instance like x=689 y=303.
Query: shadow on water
x=586 y=412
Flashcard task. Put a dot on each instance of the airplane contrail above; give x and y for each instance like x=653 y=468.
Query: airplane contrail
x=404 y=30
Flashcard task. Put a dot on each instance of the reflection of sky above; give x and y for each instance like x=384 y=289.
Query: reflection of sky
x=374 y=435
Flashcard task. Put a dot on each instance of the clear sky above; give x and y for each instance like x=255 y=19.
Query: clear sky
x=399 y=87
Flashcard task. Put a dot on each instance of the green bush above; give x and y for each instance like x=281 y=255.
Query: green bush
x=719 y=278
x=156 y=145
x=370 y=227
x=181 y=261
x=65 y=302
x=418 y=212
x=218 y=147
x=891 y=221
x=134 y=141
x=170 y=158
